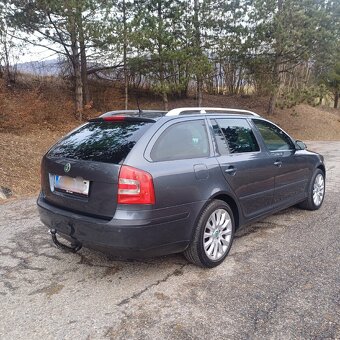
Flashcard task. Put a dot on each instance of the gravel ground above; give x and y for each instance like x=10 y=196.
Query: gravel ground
x=280 y=281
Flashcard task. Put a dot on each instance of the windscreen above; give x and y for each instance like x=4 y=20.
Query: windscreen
x=108 y=142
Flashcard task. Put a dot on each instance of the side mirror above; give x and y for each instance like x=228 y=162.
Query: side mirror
x=300 y=145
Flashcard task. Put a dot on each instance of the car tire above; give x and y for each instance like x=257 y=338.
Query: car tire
x=213 y=235
x=316 y=192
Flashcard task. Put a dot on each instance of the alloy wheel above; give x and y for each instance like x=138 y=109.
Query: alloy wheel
x=217 y=234
x=318 y=189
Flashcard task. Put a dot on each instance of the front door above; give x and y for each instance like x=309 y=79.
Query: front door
x=292 y=171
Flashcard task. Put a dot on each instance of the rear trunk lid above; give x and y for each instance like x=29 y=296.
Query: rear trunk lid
x=80 y=173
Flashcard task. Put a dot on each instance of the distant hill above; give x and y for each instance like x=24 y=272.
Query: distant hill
x=42 y=68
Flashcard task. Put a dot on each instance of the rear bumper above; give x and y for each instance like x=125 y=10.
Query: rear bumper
x=130 y=233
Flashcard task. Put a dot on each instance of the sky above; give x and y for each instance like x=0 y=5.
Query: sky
x=34 y=53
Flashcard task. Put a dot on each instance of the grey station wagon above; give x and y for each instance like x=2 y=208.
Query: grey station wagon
x=151 y=183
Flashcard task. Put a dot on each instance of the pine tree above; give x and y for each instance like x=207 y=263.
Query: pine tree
x=285 y=35
x=68 y=28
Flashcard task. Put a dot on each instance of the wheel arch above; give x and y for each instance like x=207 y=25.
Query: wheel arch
x=322 y=168
x=195 y=252
x=233 y=206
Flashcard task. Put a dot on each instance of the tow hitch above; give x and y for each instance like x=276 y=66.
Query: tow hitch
x=74 y=247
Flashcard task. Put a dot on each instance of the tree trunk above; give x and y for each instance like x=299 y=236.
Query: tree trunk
x=160 y=56
x=162 y=81
x=199 y=92
x=84 y=78
x=239 y=80
x=83 y=58
x=78 y=85
x=79 y=100
x=198 y=53
x=7 y=72
x=126 y=80
x=272 y=101
x=165 y=101
x=276 y=86
x=276 y=68
x=336 y=99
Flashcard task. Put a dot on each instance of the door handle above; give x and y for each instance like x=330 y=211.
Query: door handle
x=231 y=170
x=278 y=163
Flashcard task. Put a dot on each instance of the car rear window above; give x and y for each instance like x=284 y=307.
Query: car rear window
x=108 y=142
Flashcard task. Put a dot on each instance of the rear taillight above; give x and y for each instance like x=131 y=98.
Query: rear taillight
x=135 y=186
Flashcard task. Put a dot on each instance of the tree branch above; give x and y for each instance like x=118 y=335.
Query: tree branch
x=103 y=68
x=60 y=36
x=26 y=40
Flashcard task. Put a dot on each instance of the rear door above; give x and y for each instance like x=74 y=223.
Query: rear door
x=80 y=173
x=180 y=160
x=292 y=171
x=247 y=169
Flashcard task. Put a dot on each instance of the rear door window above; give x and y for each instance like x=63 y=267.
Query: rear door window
x=235 y=135
x=108 y=142
x=182 y=140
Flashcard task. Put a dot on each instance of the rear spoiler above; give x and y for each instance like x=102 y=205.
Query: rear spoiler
x=122 y=119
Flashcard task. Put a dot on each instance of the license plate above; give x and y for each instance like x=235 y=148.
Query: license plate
x=70 y=185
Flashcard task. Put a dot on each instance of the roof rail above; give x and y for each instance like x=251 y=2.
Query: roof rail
x=133 y=113
x=203 y=110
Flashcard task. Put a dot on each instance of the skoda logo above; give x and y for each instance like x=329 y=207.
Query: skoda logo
x=67 y=167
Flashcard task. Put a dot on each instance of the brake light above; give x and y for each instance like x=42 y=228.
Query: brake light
x=114 y=119
x=135 y=186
